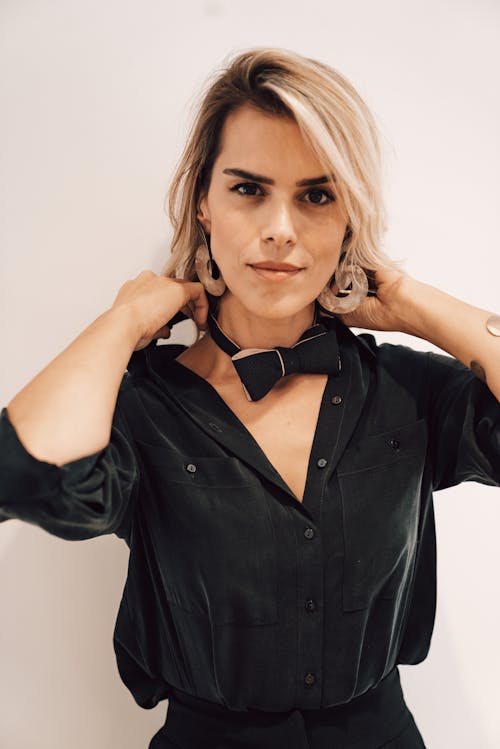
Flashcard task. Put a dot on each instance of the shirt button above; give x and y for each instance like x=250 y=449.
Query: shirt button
x=309 y=679
x=191 y=467
x=321 y=463
x=215 y=427
x=309 y=533
x=336 y=400
x=394 y=444
x=310 y=606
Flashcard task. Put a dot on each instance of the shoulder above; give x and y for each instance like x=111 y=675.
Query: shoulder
x=398 y=358
x=152 y=356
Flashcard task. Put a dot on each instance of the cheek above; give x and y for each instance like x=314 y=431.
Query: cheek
x=232 y=240
x=326 y=251
x=332 y=248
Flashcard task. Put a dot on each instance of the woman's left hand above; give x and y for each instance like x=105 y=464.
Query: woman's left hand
x=380 y=312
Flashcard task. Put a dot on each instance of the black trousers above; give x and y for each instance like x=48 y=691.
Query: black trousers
x=379 y=718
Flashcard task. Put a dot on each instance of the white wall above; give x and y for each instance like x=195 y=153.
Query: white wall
x=96 y=98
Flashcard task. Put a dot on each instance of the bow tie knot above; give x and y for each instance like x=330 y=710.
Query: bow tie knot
x=315 y=352
x=293 y=359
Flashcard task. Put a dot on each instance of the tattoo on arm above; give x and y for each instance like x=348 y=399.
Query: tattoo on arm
x=478 y=370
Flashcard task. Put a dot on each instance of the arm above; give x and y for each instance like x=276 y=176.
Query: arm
x=409 y=306
x=463 y=410
x=465 y=421
x=454 y=326
x=67 y=459
x=66 y=411
x=79 y=499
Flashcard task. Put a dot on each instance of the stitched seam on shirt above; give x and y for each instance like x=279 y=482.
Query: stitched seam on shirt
x=132 y=442
x=388 y=462
x=297 y=609
x=215 y=485
x=130 y=504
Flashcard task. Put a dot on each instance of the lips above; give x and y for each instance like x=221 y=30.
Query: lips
x=275 y=271
x=275 y=266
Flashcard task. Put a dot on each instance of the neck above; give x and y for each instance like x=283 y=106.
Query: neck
x=248 y=330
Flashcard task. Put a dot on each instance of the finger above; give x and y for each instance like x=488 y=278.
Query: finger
x=145 y=274
x=199 y=303
x=194 y=315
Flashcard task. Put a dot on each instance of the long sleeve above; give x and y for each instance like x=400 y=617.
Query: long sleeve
x=464 y=418
x=87 y=497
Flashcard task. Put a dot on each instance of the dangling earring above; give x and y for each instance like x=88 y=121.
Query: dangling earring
x=207 y=271
x=345 y=275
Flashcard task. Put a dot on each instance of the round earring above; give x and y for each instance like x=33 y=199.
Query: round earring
x=344 y=276
x=207 y=270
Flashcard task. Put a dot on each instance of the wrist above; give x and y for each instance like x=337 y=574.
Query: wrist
x=427 y=312
x=123 y=318
x=414 y=301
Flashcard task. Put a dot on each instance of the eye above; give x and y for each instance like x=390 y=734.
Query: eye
x=320 y=193
x=249 y=189
x=248 y=186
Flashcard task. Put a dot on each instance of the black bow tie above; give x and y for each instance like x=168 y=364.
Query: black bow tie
x=316 y=351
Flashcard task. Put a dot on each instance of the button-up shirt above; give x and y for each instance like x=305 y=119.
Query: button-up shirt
x=237 y=592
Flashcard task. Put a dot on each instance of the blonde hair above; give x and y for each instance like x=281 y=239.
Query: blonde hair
x=333 y=119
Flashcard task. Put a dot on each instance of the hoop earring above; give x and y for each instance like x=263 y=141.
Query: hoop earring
x=207 y=270
x=348 y=274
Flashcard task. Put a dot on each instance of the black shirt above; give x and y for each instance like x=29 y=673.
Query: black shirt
x=237 y=592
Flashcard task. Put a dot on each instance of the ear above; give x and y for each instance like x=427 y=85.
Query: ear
x=203 y=213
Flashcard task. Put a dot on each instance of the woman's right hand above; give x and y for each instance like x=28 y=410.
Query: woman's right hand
x=154 y=300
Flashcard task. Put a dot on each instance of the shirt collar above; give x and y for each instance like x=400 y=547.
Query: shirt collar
x=153 y=355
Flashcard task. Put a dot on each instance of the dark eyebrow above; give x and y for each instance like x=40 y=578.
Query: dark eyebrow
x=267 y=181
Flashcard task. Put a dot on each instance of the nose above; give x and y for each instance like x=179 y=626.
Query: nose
x=279 y=226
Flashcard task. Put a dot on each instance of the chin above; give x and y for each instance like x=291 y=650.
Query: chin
x=275 y=308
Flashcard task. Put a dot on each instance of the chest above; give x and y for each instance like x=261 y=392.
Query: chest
x=283 y=424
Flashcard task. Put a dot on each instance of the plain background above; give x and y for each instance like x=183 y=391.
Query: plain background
x=96 y=101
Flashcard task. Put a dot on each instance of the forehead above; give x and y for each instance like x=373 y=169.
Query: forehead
x=255 y=139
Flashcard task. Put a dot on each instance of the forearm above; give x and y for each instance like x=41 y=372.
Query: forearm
x=454 y=326
x=65 y=412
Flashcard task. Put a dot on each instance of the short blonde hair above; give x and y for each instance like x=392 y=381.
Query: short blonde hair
x=333 y=119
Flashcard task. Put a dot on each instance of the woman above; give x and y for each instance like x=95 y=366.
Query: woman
x=273 y=480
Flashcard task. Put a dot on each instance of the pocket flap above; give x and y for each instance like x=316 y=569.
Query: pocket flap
x=385 y=448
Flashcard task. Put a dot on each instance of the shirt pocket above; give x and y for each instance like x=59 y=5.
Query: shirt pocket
x=212 y=533
x=380 y=481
